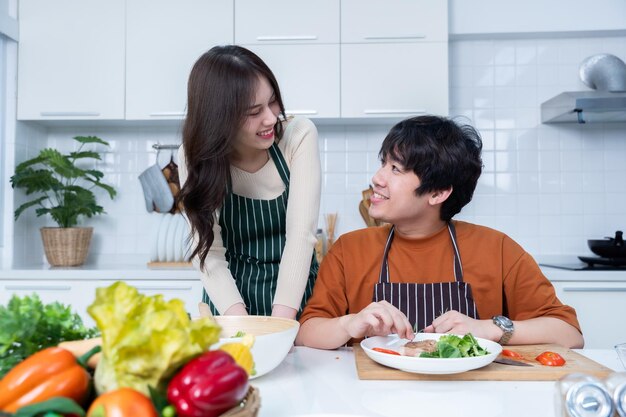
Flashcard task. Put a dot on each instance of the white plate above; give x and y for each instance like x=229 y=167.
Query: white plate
x=427 y=365
x=154 y=236
x=167 y=218
x=169 y=245
x=178 y=238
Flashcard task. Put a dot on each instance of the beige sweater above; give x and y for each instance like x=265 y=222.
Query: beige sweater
x=300 y=149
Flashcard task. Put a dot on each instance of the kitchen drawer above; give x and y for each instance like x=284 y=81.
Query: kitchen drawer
x=308 y=77
x=286 y=21
x=163 y=41
x=367 y=21
x=401 y=80
x=600 y=307
x=78 y=294
x=71 y=60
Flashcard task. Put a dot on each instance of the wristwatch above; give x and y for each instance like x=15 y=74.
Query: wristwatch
x=507 y=327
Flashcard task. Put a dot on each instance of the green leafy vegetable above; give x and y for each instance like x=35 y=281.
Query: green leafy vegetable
x=240 y=333
x=28 y=325
x=452 y=346
x=145 y=339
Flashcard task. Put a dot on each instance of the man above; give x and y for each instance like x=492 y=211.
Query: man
x=425 y=271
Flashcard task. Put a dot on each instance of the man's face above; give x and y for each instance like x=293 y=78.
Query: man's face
x=394 y=199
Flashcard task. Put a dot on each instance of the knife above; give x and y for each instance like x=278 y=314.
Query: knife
x=507 y=361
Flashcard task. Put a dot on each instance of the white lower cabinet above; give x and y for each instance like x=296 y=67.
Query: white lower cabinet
x=601 y=308
x=81 y=293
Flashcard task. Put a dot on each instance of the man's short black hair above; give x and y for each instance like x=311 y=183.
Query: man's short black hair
x=442 y=154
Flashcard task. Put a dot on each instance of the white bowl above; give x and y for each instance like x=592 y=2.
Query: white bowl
x=273 y=338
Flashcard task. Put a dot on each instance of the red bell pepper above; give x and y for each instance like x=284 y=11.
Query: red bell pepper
x=208 y=385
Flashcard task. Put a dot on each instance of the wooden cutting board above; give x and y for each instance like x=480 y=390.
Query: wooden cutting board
x=575 y=362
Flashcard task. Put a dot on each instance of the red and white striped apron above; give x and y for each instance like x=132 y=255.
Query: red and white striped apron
x=422 y=303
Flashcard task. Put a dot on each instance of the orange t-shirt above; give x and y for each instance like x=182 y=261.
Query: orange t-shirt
x=505 y=280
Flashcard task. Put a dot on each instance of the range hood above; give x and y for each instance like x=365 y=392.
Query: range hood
x=585 y=107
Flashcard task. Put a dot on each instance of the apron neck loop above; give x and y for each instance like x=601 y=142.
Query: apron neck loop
x=281 y=164
x=458 y=269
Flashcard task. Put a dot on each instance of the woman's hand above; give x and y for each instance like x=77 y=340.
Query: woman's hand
x=377 y=319
x=279 y=310
x=238 y=309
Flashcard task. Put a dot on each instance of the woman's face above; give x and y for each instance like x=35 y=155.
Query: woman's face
x=257 y=131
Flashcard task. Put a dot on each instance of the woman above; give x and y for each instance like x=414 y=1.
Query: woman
x=251 y=187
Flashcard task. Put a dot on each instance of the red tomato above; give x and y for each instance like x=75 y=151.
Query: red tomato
x=511 y=354
x=550 y=359
x=389 y=351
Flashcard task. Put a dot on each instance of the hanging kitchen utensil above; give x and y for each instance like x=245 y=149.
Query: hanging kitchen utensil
x=170 y=172
x=156 y=191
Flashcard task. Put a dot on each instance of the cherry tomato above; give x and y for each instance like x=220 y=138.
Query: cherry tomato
x=550 y=359
x=511 y=354
x=389 y=351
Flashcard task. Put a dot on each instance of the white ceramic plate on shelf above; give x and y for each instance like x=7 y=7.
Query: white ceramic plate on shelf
x=169 y=244
x=154 y=237
x=178 y=238
x=427 y=365
x=167 y=219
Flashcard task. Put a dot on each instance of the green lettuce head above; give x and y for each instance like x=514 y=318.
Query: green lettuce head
x=145 y=339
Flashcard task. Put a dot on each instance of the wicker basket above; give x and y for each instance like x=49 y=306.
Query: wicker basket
x=66 y=246
x=249 y=407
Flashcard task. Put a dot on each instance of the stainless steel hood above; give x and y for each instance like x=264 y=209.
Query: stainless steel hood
x=585 y=107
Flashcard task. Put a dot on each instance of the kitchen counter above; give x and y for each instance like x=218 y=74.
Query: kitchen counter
x=313 y=382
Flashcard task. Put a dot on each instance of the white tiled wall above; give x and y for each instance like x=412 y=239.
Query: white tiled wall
x=550 y=187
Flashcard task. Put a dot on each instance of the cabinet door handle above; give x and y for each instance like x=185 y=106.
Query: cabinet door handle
x=69 y=113
x=393 y=111
x=162 y=288
x=38 y=287
x=168 y=113
x=300 y=112
x=287 y=38
x=594 y=289
x=383 y=37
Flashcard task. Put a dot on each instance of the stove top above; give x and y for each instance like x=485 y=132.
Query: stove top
x=588 y=263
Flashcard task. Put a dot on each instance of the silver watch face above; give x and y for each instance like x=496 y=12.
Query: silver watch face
x=504 y=323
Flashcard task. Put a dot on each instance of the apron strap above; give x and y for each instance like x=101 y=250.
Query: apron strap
x=458 y=268
x=383 y=277
x=281 y=164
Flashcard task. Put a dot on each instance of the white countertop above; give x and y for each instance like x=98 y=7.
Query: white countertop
x=313 y=382
x=118 y=268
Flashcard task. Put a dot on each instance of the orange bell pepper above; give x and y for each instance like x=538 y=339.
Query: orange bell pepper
x=122 y=402
x=52 y=372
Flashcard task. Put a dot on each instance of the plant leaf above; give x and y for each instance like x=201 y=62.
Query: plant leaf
x=85 y=154
x=29 y=204
x=90 y=139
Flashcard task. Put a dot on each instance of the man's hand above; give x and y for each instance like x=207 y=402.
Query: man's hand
x=377 y=319
x=457 y=323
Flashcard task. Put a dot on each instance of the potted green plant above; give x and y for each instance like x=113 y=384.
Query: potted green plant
x=63 y=190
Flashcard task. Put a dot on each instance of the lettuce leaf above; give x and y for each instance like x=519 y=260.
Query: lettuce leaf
x=145 y=339
x=27 y=325
x=452 y=346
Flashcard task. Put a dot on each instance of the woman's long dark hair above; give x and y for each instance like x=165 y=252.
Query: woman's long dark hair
x=221 y=88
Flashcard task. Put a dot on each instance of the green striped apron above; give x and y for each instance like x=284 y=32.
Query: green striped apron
x=253 y=232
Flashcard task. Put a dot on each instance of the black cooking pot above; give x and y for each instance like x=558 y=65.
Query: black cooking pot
x=609 y=247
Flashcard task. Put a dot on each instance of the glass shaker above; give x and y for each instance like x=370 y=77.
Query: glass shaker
x=616 y=384
x=581 y=395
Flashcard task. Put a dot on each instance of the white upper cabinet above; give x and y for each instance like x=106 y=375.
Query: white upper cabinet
x=394 y=21
x=163 y=41
x=71 y=59
x=286 y=21
x=394 y=80
x=308 y=77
